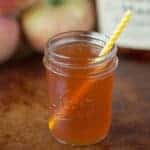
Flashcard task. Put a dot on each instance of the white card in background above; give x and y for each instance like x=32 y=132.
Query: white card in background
x=137 y=34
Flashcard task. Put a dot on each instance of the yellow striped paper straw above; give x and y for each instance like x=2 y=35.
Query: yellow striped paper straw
x=85 y=86
x=115 y=36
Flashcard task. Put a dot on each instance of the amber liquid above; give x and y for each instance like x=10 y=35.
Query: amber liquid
x=82 y=105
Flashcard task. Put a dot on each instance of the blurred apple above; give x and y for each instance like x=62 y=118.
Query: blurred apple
x=9 y=37
x=13 y=6
x=50 y=17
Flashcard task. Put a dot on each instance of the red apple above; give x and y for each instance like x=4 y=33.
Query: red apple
x=9 y=37
x=13 y=6
x=54 y=16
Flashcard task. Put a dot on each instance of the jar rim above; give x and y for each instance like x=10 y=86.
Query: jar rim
x=70 y=37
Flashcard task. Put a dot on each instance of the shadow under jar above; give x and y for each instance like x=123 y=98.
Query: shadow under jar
x=79 y=87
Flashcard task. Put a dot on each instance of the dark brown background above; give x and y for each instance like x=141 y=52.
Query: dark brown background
x=24 y=108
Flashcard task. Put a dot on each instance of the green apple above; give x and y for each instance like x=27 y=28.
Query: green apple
x=50 y=17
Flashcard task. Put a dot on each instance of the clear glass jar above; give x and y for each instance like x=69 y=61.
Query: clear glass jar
x=80 y=87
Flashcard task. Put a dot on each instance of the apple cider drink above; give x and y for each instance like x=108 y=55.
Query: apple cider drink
x=79 y=87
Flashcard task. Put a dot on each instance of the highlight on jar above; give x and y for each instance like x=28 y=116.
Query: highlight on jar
x=80 y=70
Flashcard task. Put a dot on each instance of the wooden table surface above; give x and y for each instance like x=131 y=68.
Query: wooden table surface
x=24 y=108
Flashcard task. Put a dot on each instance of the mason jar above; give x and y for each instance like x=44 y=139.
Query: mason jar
x=80 y=84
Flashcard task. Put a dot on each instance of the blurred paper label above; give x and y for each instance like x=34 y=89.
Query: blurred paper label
x=137 y=34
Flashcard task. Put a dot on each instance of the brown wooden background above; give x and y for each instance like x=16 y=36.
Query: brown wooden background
x=24 y=108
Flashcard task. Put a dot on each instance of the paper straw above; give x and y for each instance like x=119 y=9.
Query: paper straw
x=78 y=94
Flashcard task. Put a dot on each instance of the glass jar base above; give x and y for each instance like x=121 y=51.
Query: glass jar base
x=76 y=144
